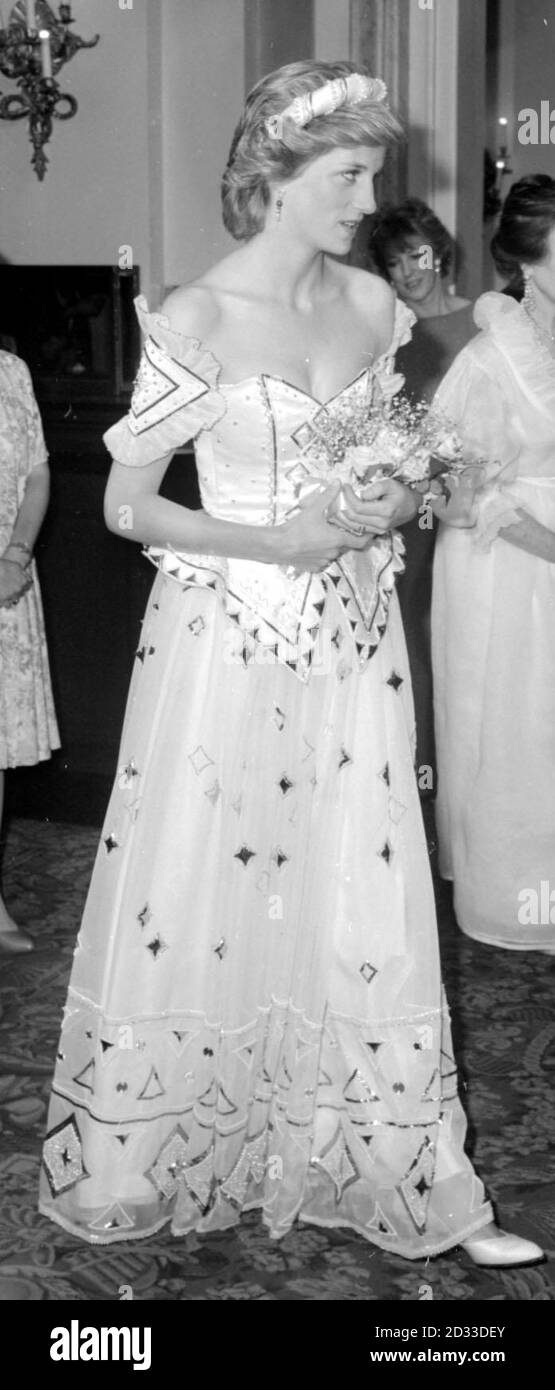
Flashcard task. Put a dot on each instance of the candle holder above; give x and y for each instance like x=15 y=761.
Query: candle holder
x=22 y=58
x=502 y=159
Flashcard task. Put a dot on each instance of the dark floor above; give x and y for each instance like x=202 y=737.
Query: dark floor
x=504 y=1022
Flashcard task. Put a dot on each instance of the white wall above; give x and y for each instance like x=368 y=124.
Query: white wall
x=534 y=82
x=331 y=29
x=446 y=120
x=95 y=194
x=202 y=98
x=140 y=163
x=524 y=76
x=203 y=63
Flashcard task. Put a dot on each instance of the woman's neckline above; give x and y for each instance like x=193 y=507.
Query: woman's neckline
x=449 y=314
x=299 y=390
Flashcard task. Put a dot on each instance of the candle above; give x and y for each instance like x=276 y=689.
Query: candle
x=31 y=15
x=45 y=55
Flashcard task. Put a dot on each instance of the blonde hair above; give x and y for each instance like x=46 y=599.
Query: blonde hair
x=257 y=158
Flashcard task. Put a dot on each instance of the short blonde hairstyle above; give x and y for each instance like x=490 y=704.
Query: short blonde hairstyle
x=257 y=159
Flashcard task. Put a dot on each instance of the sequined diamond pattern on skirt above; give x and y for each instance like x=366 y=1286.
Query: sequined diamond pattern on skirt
x=255 y=1016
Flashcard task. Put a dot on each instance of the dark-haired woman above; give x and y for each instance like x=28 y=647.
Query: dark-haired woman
x=412 y=249
x=494 y=602
x=255 y=1016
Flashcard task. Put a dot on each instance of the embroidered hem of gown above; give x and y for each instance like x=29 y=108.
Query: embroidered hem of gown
x=427 y=1252
x=329 y=1166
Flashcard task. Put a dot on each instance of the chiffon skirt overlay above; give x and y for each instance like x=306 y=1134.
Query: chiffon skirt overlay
x=255 y=1016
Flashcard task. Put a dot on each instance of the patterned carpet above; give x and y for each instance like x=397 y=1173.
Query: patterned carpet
x=504 y=1022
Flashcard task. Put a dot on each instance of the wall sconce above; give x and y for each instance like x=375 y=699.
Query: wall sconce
x=502 y=157
x=34 y=45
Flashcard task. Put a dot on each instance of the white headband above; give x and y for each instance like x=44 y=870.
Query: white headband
x=343 y=91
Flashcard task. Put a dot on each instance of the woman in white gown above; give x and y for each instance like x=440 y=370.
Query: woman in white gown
x=255 y=1015
x=494 y=603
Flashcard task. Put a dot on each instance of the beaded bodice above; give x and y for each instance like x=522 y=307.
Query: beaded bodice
x=251 y=470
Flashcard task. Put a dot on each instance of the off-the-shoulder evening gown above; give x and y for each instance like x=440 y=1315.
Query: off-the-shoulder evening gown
x=255 y=1016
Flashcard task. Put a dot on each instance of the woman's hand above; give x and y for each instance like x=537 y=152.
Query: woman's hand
x=382 y=505
x=457 y=509
x=308 y=541
x=14 y=582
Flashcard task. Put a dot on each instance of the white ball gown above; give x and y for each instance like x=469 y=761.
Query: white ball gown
x=255 y=1016
x=493 y=650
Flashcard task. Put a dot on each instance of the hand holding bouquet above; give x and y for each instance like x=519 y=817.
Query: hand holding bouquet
x=367 y=440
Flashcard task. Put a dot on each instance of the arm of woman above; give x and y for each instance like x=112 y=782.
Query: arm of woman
x=15 y=574
x=307 y=541
x=33 y=506
x=477 y=396
x=530 y=535
x=32 y=510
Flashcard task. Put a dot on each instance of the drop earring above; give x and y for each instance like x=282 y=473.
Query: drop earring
x=437 y=264
x=279 y=204
x=528 y=301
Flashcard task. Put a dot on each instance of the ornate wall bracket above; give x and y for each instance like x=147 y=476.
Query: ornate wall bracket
x=33 y=48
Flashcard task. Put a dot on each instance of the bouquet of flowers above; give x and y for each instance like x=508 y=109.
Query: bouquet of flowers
x=364 y=439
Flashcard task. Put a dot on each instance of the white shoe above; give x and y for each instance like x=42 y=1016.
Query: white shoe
x=502 y=1250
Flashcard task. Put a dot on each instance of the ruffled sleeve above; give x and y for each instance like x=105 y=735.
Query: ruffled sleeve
x=526 y=357
x=384 y=366
x=477 y=403
x=402 y=328
x=175 y=394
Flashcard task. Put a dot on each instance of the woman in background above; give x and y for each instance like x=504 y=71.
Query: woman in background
x=493 y=608
x=412 y=249
x=28 y=730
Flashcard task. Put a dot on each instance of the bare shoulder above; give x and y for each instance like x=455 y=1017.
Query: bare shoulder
x=192 y=309
x=368 y=293
x=372 y=303
x=196 y=309
x=371 y=290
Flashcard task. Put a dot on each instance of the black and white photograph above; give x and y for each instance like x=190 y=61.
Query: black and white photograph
x=277 y=665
